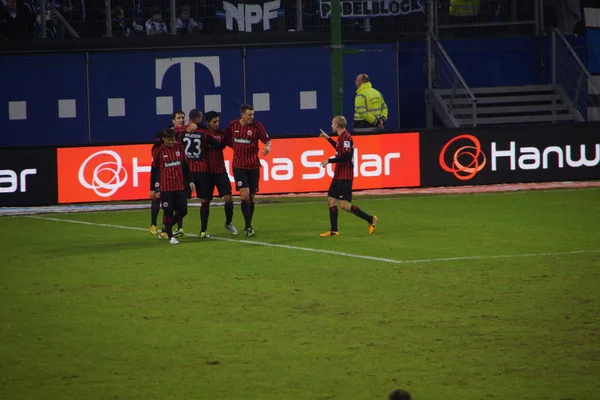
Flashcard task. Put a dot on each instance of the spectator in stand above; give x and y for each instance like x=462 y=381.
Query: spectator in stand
x=119 y=28
x=156 y=25
x=137 y=17
x=186 y=24
x=8 y=17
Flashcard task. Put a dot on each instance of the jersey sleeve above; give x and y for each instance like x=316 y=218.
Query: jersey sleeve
x=262 y=135
x=344 y=144
x=155 y=170
x=228 y=136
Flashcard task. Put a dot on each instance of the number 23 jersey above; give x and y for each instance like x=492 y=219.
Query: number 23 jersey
x=195 y=145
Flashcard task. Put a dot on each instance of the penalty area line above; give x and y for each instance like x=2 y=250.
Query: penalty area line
x=331 y=252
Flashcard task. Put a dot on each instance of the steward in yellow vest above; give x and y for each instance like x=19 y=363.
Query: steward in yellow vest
x=370 y=110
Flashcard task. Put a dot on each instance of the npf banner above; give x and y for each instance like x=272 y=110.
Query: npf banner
x=369 y=9
x=250 y=15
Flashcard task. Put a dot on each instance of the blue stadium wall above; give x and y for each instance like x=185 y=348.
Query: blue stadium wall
x=100 y=98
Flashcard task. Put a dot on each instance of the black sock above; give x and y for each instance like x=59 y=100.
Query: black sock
x=228 y=213
x=251 y=209
x=246 y=213
x=154 y=210
x=204 y=213
x=361 y=214
x=168 y=225
x=180 y=224
x=333 y=218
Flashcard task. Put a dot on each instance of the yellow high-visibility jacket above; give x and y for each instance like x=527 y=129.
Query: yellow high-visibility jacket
x=369 y=105
x=464 y=8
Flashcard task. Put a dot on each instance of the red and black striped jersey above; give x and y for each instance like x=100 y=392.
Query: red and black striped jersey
x=344 y=169
x=243 y=139
x=214 y=155
x=169 y=168
x=195 y=147
x=156 y=145
x=179 y=131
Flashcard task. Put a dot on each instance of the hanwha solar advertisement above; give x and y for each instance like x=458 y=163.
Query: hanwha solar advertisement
x=536 y=153
x=112 y=173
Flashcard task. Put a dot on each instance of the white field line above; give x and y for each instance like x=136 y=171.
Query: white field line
x=337 y=253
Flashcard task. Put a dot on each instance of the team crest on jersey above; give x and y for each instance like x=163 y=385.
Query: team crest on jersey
x=177 y=153
x=156 y=184
x=240 y=183
x=249 y=133
x=165 y=204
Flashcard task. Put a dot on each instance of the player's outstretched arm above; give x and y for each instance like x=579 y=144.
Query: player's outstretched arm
x=329 y=139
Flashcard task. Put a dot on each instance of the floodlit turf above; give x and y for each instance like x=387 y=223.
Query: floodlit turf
x=92 y=312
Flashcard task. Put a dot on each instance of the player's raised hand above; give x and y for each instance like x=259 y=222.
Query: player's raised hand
x=323 y=134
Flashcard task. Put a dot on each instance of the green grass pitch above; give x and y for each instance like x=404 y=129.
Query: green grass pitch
x=472 y=297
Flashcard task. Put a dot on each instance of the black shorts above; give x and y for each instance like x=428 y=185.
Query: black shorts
x=220 y=180
x=204 y=187
x=340 y=189
x=247 y=178
x=173 y=201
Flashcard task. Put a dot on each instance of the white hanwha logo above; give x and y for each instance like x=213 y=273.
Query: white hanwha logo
x=107 y=177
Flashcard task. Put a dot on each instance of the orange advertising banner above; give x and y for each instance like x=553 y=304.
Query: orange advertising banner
x=109 y=173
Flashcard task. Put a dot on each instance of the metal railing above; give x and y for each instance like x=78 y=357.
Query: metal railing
x=488 y=18
x=448 y=86
x=399 y=20
x=570 y=75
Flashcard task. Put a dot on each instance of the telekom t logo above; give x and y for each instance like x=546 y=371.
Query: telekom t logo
x=187 y=65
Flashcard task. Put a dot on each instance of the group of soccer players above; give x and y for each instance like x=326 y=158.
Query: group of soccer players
x=189 y=158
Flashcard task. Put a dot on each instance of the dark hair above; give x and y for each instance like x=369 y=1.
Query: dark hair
x=399 y=394
x=167 y=133
x=195 y=114
x=177 y=112
x=211 y=115
x=245 y=108
x=117 y=10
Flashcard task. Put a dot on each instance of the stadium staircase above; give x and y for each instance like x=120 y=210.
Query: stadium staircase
x=570 y=97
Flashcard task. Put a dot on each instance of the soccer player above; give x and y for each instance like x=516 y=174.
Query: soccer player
x=180 y=128
x=216 y=166
x=242 y=136
x=170 y=172
x=341 y=185
x=195 y=144
x=155 y=205
x=179 y=123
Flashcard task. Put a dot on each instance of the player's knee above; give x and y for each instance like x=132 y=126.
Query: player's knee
x=227 y=198
x=345 y=205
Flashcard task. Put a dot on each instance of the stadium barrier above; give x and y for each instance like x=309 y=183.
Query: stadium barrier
x=122 y=172
x=446 y=157
x=515 y=154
